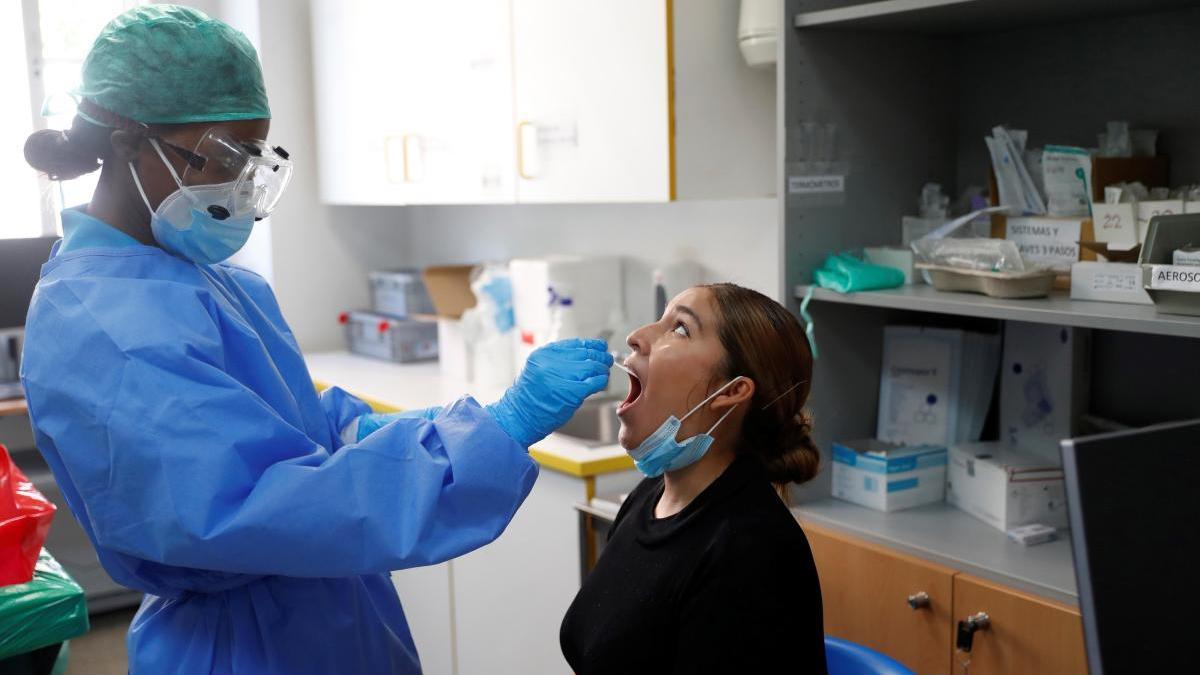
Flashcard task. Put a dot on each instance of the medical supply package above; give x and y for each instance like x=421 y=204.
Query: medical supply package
x=888 y=476
x=1005 y=487
x=1067 y=175
x=935 y=384
x=1044 y=384
x=46 y=610
x=1108 y=282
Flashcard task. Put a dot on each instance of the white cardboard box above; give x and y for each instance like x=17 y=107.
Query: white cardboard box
x=888 y=477
x=1005 y=487
x=1044 y=385
x=454 y=357
x=1115 y=224
x=1158 y=207
x=1108 y=282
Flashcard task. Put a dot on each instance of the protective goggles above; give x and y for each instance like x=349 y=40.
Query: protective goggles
x=257 y=173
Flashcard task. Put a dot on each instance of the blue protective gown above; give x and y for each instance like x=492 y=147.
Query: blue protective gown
x=174 y=407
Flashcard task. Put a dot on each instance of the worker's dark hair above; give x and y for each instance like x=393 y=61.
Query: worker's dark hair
x=64 y=155
x=764 y=342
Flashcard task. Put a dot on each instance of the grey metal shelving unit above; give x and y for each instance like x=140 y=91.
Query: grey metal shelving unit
x=911 y=87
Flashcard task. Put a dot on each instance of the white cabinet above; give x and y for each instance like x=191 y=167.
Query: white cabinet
x=592 y=100
x=510 y=596
x=492 y=101
x=414 y=104
x=426 y=594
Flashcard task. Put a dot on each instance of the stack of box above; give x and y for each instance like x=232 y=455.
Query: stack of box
x=398 y=327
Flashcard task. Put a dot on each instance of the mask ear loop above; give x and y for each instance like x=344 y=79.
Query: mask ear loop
x=138 y=183
x=785 y=393
x=711 y=396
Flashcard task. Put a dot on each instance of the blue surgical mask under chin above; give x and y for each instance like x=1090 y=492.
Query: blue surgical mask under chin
x=183 y=226
x=660 y=452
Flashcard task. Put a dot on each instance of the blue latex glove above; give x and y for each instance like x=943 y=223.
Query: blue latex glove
x=372 y=422
x=555 y=381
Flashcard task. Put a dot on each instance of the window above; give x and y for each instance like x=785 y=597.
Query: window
x=50 y=38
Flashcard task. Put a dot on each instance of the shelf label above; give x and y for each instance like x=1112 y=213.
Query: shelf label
x=1116 y=224
x=1174 y=278
x=1159 y=207
x=815 y=185
x=1053 y=242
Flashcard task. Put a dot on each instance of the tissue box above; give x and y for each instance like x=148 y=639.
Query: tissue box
x=1044 y=378
x=1005 y=487
x=887 y=476
x=1108 y=282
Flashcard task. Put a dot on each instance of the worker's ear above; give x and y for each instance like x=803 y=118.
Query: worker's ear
x=126 y=145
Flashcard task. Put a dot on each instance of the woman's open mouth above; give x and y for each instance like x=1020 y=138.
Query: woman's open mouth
x=635 y=392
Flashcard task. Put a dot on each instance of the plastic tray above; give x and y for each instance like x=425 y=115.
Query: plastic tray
x=1164 y=235
x=994 y=284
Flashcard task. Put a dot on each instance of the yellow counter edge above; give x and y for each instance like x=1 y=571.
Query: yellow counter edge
x=562 y=465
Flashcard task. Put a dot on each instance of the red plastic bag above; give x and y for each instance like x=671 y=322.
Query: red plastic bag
x=24 y=521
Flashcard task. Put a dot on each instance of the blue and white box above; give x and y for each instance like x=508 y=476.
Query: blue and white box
x=888 y=476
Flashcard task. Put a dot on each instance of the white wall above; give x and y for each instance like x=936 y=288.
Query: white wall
x=725 y=124
x=321 y=253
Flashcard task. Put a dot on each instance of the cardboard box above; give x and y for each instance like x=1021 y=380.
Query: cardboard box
x=1158 y=207
x=1044 y=382
x=1108 y=282
x=1005 y=487
x=887 y=476
x=449 y=288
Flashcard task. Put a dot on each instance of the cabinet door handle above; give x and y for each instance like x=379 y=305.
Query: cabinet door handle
x=527 y=150
x=919 y=600
x=413 y=168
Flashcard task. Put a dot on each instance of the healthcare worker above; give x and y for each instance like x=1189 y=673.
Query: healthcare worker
x=172 y=402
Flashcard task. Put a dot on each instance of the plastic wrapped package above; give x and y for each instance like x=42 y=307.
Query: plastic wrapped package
x=44 y=611
x=25 y=517
x=844 y=273
x=988 y=255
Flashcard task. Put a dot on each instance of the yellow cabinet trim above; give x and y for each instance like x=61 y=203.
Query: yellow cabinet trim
x=548 y=460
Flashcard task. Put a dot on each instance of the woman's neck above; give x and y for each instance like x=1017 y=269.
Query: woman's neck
x=112 y=206
x=682 y=486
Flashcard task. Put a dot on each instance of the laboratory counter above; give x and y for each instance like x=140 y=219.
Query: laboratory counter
x=390 y=387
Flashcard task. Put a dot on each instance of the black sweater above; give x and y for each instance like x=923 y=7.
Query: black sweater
x=727 y=585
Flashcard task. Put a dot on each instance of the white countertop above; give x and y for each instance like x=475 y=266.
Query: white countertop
x=945 y=535
x=398 y=386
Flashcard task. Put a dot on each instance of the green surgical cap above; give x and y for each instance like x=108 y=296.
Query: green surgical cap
x=167 y=64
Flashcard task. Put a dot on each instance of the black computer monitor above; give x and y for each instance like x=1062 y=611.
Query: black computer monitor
x=1134 y=503
x=20 y=266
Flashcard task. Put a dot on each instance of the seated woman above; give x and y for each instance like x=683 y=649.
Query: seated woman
x=706 y=570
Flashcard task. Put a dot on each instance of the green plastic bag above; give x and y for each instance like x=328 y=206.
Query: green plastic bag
x=42 y=612
x=844 y=273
